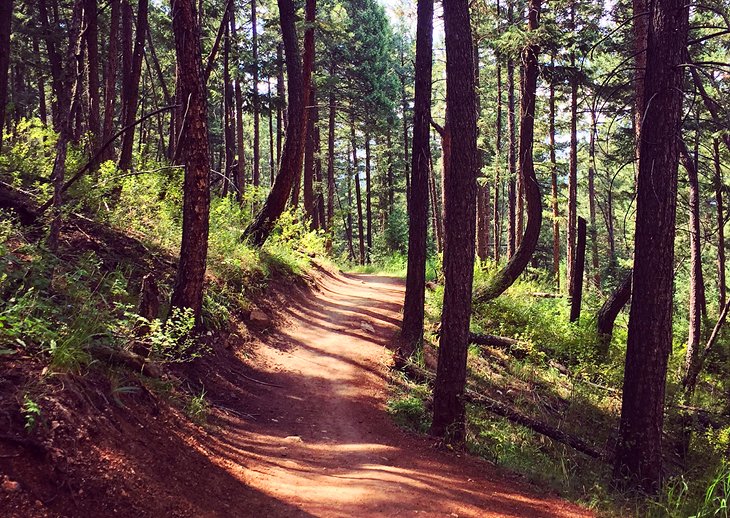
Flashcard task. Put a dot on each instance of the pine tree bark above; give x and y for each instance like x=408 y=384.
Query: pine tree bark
x=132 y=80
x=358 y=197
x=229 y=139
x=299 y=73
x=483 y=194
x=60 y=89
x=406 y=146
x=578 y=270
x=6 y=18
x=331 y=158
x=497 y=216
x=41 y=86
x=606 y=316
x=256 y=175
x=309 y=161
x=460 y=225
x=696 y=283
x=511 y=159
x=195 y=154
x=92 y=61
x=281 y=101
x=571 y=224
x=67 y=106
x=554 y=184
x=368 y=202
x=595 y=263
x=239 y=180
x=413 y=306
x=504 y=278
x=720 y=221
x=639 y=450
x=110 y=80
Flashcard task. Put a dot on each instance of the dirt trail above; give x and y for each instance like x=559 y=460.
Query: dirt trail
x=318 y=439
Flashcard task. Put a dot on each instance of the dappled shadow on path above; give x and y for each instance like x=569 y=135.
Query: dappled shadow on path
x=304 y=420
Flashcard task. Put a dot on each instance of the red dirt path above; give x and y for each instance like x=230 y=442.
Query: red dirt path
x=322 y=441
x=297 y=427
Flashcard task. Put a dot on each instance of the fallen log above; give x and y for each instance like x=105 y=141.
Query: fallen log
x=512 y=346
x=541 y=295
x=503 y=410
x=17 y=201
x=127 y=358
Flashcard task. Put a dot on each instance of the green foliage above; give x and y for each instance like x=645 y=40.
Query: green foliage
x=31 y=411
x=197 y=408
x=540 y=322
x=408 y=407
x=172 y=341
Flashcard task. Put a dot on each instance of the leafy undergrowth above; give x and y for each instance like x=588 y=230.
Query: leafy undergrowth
x=559 y=379
x=68 y=326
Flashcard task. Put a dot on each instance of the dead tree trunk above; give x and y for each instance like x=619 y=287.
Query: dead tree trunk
x=577 y=270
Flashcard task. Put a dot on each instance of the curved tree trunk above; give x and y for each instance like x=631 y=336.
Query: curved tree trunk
x=528 y=87
x=606 y=316
x=299 y=75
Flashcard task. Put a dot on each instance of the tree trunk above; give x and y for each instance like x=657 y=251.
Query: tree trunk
x=438 y=225
x=511 y=159
x=60 y=89
x=92 y=82
x=239 y=179
x=460 y=222
x=188 y=289
x=413 y=306
x=272 y=157
x=578 y=269
x=229 y=141
x=696 y=285
x=483 y=194
x=496 y=218
x=720 y=220
x=368 y=202
x=573 y=168
x=641 y=21
x=331 y=159
x=110 y=83
x=606 y=316
x=358 y=197
x=6 y=18
x=256 y=175
x=67 y=105
x=130 y=101
x=280 y=94
x=309 y=160
x=595 y=265
x=406 y=147
x=528 y=87
x=299 y=75
x=639 y=449
x=554 y=184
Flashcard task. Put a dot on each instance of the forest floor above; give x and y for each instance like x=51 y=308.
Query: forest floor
x=297 y=426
